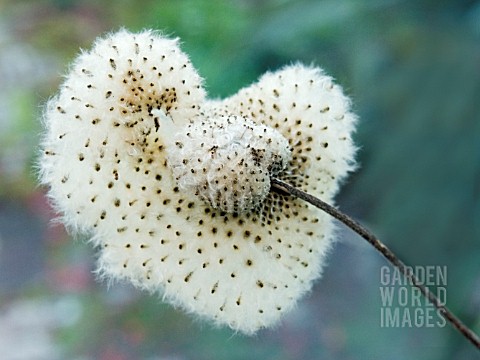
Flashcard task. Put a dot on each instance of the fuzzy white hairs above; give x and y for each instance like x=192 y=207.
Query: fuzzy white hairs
x=174 y=189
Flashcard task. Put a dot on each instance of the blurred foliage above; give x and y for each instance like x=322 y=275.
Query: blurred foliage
x=412 y=69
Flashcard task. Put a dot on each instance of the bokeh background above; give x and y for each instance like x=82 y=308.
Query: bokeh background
x=412 y=69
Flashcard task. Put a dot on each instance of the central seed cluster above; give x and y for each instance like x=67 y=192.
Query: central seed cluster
x=228 y=160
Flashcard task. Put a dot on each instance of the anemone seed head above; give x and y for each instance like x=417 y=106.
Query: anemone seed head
x=175 y=189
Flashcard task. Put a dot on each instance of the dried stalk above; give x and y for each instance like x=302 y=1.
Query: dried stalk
x=282 y=187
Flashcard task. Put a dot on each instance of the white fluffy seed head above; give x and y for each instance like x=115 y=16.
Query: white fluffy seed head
x=227 y=160
x=104 y=158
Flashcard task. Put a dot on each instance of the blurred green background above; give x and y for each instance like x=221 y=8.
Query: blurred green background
x=412 y=69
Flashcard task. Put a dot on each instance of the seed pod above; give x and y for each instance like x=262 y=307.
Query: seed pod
x=130 y=142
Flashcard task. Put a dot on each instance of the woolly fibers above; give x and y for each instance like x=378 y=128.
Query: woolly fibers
x=174 y=189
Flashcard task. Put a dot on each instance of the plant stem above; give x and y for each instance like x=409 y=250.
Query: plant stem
x=282 y=187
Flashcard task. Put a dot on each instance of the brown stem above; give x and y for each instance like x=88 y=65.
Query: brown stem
x=282 y=187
